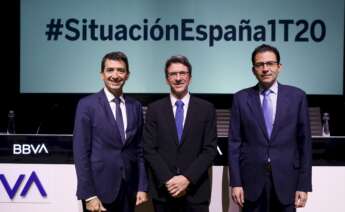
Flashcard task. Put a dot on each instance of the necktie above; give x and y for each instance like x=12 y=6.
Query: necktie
x=179 y=118
x=267 y=111
x=119 y=119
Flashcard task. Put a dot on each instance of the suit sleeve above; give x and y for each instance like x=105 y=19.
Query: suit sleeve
x=234 y=144
x=82 y=149
x=209 y=149
x=157 y=164
x=305 y=147
x=143 y=185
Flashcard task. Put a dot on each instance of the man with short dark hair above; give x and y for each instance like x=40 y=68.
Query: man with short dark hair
x=269 y=141
x=180 y=144
x=107 y=144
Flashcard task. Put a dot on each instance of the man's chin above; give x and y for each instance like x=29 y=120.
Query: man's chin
x=267 y=83
x=115 y=89
x=116 y=86
x=179 y=93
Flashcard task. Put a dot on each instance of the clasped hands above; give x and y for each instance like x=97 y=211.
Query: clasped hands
x=177 y=186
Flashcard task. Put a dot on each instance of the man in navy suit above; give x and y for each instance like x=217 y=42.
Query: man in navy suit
x=180 y=144
x=270 y=142
x=107 y=143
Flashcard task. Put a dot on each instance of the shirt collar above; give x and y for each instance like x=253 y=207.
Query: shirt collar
x=110 y=96
x=273 y=88
x=185 y=99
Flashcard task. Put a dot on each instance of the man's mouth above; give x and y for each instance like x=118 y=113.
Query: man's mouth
x=115 y=83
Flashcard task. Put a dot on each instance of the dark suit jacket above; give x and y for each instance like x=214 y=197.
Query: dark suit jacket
x=192 y=158
x=289 y=147
x=101 y=159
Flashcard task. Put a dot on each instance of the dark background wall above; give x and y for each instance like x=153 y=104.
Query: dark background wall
x=54 y=113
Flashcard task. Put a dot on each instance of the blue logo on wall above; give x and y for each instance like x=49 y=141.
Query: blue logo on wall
x=33 y=179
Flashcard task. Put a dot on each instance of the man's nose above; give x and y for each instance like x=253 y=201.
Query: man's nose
x=114 y=75
x=265 y=68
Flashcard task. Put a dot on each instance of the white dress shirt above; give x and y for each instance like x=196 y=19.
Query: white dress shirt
x=185 y=101
x=110 y=98
x=272 y=97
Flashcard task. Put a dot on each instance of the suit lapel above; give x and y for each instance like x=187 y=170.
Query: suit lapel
x=188 y=122
x=282 y=106
x=170 y=120
x=255 y=106
x=130 y=119
x=109 y=115
x=106 y=108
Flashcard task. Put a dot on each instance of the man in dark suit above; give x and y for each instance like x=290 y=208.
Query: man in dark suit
x=180 y=144
x=107 y=143
x=270 y=142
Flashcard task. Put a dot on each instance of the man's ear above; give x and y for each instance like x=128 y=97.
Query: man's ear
x=280 y=68
x=253 y=70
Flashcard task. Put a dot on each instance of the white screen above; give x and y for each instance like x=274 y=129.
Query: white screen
x=218 y=37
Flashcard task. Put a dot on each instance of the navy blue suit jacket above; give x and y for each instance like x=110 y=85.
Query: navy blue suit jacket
x=289 y=147
x=101 y=159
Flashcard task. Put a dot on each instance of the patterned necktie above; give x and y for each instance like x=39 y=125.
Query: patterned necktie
x=267 y=111
x=119 y=119
x=179 y=118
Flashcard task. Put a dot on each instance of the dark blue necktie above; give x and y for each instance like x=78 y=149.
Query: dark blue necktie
x=119 y=119
x=179 y=118
x=267 y=111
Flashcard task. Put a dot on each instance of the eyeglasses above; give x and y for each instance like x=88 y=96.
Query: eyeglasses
x=181 y=73
x=269 y=64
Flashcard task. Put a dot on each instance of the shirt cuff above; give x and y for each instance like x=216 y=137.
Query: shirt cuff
x=91 y=198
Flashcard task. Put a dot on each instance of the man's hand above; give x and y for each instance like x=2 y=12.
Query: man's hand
x=177 y=186
x=95 y=205
x=141 y=197
x=237 y=195
x=300 y=199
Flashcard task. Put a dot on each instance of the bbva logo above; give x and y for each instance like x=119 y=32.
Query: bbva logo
x=33 y=179
x=27 y=149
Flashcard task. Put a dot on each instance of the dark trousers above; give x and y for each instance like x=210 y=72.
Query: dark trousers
x=124 y=201
x=268 y=200
x=179 y=205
